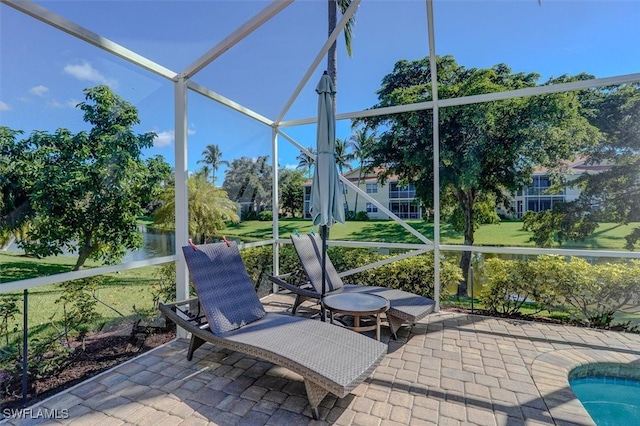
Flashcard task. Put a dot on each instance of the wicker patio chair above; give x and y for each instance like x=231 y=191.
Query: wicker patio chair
x=405 y=307
x=228 y=313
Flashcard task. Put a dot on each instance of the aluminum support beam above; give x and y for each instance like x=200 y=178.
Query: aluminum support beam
x=332 y=38
x=436 y=156
x=181 y=187
x=69 y=27
x=244 y=30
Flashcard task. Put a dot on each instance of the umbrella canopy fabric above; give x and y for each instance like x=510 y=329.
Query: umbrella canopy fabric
x=326 y=205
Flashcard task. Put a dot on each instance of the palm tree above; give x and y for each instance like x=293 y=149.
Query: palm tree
x=342 y=161
x=213 y=157
x=210 y=209
x=332 y=58
x=306 y=161
x=359 y=142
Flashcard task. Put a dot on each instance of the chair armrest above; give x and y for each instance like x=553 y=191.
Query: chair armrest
x=301 y=290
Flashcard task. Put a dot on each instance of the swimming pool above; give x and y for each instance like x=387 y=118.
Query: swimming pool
x=609 y=392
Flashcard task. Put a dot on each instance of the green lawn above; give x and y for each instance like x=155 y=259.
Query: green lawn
x=608 y=236
x=123 y=290
x=120 y=290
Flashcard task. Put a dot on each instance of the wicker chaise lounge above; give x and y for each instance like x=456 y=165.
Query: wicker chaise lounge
x=329 y=358
x=405 y=308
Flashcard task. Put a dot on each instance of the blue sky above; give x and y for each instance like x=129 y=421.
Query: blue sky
x=43 y=71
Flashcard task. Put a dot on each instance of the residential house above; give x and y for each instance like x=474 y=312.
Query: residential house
x=537 y=196
x=400 y=199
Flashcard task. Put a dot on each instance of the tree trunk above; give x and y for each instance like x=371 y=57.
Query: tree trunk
x=332 y=60
x=355 y=207
x=84 y=252
x=466 y=200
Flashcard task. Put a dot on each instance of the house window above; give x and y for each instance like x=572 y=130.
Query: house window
x=372 y=188
x=405 y=209
x=371 y=208
x=400 y=191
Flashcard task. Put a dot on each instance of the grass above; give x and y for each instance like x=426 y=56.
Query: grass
x=124 y=289
x=608 y=236
x=120 y=290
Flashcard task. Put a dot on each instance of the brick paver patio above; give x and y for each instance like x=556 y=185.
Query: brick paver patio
x=450 y=369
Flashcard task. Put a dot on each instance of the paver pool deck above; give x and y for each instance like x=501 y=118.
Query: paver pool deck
x=449 y=369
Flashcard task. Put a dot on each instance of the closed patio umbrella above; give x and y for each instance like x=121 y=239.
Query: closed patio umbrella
x=326 y=205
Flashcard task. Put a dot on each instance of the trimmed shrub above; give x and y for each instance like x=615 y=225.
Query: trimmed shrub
x=414 y=274
x=590 y=294
x=362 y=216
x=265 y=216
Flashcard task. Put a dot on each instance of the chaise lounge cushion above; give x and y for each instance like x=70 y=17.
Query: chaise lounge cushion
x=233 y=303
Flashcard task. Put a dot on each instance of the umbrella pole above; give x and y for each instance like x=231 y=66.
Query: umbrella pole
x=323 y=234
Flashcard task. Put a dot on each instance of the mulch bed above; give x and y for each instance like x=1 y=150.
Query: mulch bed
x=102 y=351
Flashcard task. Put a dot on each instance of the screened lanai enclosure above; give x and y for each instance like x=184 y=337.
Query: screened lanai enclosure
x=499 y=138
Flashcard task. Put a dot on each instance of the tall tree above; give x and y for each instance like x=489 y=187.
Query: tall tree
x=213 y=157
x=210 y=209
x=332 y=56
x=250 y=181
x=14 y=200
x=158 y=174
x=612 y=195
x=358 y=142
x=86 y=188
x=487 y=150
x=342 y=161
x=292 y=191
x=305 y=161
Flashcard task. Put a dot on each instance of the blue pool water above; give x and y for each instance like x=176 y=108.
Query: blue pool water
x=609 y=400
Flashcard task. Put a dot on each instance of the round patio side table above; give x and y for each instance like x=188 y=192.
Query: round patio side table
x=357 y=305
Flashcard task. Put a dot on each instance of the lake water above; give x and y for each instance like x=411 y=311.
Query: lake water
x=154 y=244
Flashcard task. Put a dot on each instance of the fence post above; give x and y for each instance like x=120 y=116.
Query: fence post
x=25 y=346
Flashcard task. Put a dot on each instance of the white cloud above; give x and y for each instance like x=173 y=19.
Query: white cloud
x=71 y=103
x=167 y=137
x=4 y=106
x=39 y=90
x=164 y=138
x=87 y=72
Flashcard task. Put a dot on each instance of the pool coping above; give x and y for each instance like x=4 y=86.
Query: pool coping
x=550 y=373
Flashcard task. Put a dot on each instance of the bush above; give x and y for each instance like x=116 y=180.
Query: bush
x=248 y=215
x=509 y=284
x=590 y=294
x=362 y=216
x=414 y=274
x=265 y=216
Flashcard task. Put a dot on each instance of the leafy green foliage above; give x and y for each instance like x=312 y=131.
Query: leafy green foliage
x=250 y=181
x=413 y=274
x=78 y=306
x=209 y=209
x=157 y=177
x=8 y=310
x=213 y=157
x=487 y=150
x=291 y=191
x=590 y=294
x=562 y=223
x=14 y=202
x=362 y=216
x=86 y=188
x=265 y=216
x=612 y=194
